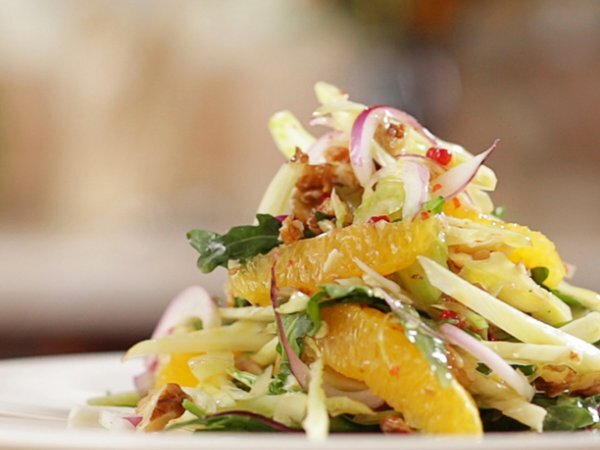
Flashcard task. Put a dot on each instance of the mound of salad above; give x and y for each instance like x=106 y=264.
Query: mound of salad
x=378 y=290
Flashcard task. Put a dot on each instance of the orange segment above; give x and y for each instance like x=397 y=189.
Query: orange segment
x=402 y=377
x=176 y=370
x=305 y=264
x=541 y=253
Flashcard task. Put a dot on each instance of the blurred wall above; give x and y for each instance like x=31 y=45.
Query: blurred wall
x=123 y=124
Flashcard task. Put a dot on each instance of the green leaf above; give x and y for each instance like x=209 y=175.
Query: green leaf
x=499 y=212
x=232 y=421
x=540 y=274
x=435 y=205
x=238 y=244
x=569 y=413
x=239 y=302
x=319 y=215
x=246 y=379
x=484 y=369
x=296 y=327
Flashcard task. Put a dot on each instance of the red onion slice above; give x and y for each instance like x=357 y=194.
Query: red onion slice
x=455 y=180
x=362 y=134
x=365 y=396
x=491 y=359
x=415 y=179
x=298 y=368
x=133 y=420
x=278 y=426
x=316 y=152
x=191 y=302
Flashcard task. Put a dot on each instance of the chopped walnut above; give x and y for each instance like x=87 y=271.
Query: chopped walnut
x=291 y=230
x=388 y=135
x=394 y=425
x=161 y=406
x=314 y=187
x=555 y=380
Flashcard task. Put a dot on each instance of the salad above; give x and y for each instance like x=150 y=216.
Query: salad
x=378 y=290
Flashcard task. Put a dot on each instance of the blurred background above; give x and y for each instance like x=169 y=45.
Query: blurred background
x=123 y=124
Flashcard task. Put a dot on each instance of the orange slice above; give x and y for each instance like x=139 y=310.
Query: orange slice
x=385 y=247
x=402 y=376
x=176 y=370
x=541 y=253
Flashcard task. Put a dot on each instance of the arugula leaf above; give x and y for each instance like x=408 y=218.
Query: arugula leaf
x=230 y=421
x=333 y=294
x=239 y=302
x=435 y=205
x=239 y=243
x=494 y=420
x=418 y=333
x=569 y=413
x=296 y=327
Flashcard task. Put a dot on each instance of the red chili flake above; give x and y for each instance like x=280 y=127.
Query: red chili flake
x=440 y=155
x=290 y=262
x=437 y=187
x=379 y=219
x=425 y=215
x=325 y=196
x=456 y=202
x=449 y=315
x=394 y=371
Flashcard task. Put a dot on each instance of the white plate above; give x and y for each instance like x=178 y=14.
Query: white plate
x=37 y=393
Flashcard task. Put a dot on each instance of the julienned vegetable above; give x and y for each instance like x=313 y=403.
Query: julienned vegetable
x=376 y=291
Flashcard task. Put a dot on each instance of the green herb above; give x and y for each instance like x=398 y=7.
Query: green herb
x=238 y=244
x=526 y=369
x=494 y=420
x=484 y=369
x=426 y=340
x=296 y=327
x=239 y=302
x=246 y=379
x=435 y=205
x=499 y=212
x=308 y=233
x=540 y=274
x=569 y=413
x=233 y=421
x=334 y=294
x=319 y=215
x=345 y=424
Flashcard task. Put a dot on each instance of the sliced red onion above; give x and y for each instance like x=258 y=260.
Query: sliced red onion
x=455 y=180
x=144 y=382
x=116 y=422
x=133 y=420
x=298 y=368
x=316 y=152
x=491 y=359
x=320 y=120
x=365 y=396
x=191 y=302
x=282 y=217
x=278 y=426
x=362 y=134
x=415 y=179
